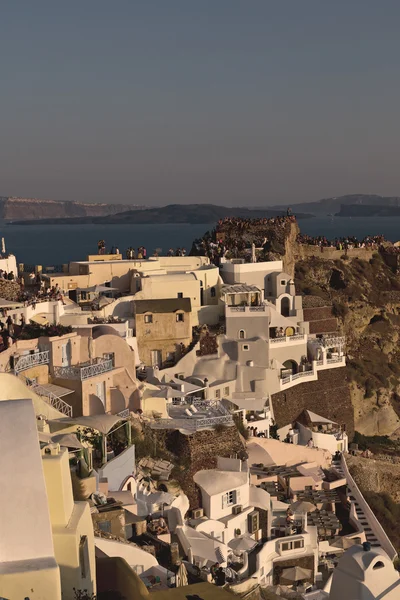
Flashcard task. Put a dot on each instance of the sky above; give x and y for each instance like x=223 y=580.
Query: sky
x=234 y=102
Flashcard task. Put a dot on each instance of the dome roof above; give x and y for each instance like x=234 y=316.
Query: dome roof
x=103 y=330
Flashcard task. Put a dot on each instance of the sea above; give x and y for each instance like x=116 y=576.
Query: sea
x=58 y=244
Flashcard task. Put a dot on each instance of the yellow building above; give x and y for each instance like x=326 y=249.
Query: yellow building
x=163 y=329
x=71 y=525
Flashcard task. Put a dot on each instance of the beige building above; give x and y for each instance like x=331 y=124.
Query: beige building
x=88 y=372
x=111 y=269
x=163 y=328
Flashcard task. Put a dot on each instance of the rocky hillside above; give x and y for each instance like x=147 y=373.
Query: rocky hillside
x=365 y=297
x=23 y=209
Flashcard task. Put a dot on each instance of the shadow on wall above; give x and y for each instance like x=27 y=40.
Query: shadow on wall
x=117 y=401
x=96 y=407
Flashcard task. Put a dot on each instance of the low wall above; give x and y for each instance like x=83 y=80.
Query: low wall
x=305 y=251
x=372 y=520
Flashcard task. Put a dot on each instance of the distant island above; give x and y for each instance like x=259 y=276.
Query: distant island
x=173 y=213
x=32 y=211
x=365 y=210
x=22 y=209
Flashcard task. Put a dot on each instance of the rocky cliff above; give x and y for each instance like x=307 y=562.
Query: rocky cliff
x=23 y=209
x=365 y=298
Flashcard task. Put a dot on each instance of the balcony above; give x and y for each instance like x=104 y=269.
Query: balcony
x=332 y=341
x=241 y=310
x=288 y=340
x=84 y=371
x=26 y=361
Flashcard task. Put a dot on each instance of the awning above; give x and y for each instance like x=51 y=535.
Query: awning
x=256 y=404
x=40 y=319
x=102 y=423
x=67 y=440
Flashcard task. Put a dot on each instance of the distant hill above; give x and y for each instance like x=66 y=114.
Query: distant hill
x=368 y=210
x=333 y=205
x=22 y=209
x=173 y=213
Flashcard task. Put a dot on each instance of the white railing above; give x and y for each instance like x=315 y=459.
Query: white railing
x=332 y=341
x=237 y=308
x=257 y=308
x=373 y=522
x=26 y=361
x=288 y=379
x=319 y=363
x=52 y=399
x=124 y=414
x=192 y=423
x=290 y=338
x=339 y=359
x=84 y=372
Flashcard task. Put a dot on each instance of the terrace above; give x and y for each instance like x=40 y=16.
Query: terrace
x=85 y=370
x=198 y=414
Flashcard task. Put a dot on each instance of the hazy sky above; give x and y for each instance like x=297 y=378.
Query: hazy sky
x=238 y=102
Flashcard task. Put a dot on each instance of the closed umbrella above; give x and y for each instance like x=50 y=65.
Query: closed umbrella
x=181 y=577
x=296 y=574
x=302 y=506
x=243 y=543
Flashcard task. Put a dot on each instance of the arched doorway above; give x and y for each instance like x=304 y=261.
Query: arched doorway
x=289 y=331
x=290 y=367
x=285 y=307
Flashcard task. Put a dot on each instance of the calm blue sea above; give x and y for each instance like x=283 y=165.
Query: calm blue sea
x=57 y=244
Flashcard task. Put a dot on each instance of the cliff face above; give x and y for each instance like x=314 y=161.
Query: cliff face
x=365 y=296
x=21 y=209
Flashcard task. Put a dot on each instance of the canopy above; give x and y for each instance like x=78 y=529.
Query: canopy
x=102 y=423
x=104 y=301
x=302 y=506
x=296 y=574
x=166 y=391
x=67 y=440
x=40 y=319
x=243 y=543
x=201 y=545
x=181 y=577
x=257 y=404
x=344 y=542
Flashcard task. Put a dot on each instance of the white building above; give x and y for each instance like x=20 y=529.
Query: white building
x=365 y=574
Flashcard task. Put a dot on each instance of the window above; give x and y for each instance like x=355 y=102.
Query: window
x=213 y=293
x=180 y=294
x=218 y=393
x=283 y=282
x=180 y=317
x=378 y=565
x=295 y=545
x=84 y=556
x=148 y=318
x=246 y=347
x=83 y=295
x=105 y=526
x=226 y=391
x=242 y=334
x=229 y=499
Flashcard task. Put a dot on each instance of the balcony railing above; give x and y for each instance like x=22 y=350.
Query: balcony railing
x=83 y=372
x=332 y=341
x=54 y=401
x=291 y=338
x=192 y=424
x=26 y=361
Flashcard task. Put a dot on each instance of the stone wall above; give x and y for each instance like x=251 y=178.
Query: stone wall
x=199 y=451
x=318 y=313
x=323 y=326
x=329 y=397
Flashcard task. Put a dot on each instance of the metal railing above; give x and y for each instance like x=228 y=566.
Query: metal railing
x=192 y=424
x=84 y=371
x=26 y=361
x=52 y=399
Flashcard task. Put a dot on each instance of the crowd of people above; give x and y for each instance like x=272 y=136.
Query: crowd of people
x=235 y=235
x=341 y=243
